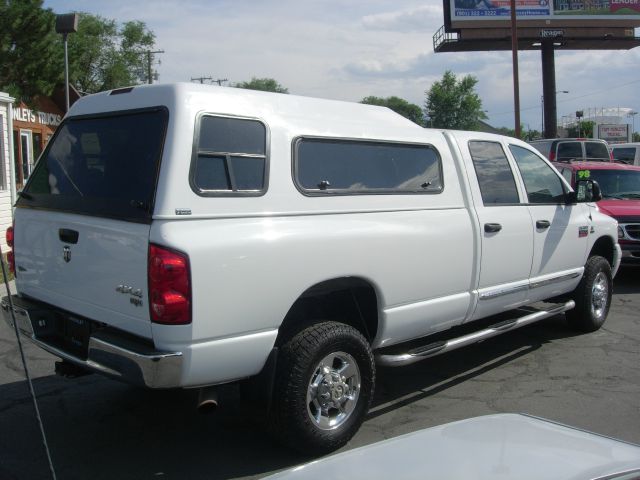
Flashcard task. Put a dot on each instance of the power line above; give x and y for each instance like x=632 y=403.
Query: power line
x=568 y=99
x=212 y=80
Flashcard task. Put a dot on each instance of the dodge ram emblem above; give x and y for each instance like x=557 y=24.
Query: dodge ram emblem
x=66 y=254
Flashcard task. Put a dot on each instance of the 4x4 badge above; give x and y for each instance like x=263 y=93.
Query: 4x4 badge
x=66 y=254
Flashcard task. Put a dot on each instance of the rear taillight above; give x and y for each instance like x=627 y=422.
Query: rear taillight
x=552 y=156
x=9 y=237
x=169 y=286
x=11 y=259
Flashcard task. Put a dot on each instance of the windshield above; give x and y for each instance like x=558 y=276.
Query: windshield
x=617 y=184
x=103 y=166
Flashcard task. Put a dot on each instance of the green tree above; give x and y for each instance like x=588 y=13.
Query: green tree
x=399 y=105
x=104 y=56
x=636 y=136
x=524 y=134
x=29 y=63
x=453 y=103
x=582 y=129
x=262 y=84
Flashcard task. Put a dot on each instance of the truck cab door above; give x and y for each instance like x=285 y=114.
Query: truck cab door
x=561 y=230
x=504 y=225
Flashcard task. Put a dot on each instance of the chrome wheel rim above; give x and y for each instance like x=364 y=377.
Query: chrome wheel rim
x=333 y=390
x=599 y=295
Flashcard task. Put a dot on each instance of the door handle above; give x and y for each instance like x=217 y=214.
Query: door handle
x=542 y=224
x=68 y=236
x=492 y=227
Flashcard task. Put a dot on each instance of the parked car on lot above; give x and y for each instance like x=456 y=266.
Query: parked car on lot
x=620 y=188
x=563 y=149
x=187 y=236
x=627 y=153
x=493 y=447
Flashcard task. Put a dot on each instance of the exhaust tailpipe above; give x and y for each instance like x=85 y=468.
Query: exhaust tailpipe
x=207 y=400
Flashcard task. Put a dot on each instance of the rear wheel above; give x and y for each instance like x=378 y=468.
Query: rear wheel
x=592 y=296
x=323 y=387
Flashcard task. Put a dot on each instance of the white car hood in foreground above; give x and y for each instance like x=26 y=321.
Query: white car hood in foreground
x=505 y=447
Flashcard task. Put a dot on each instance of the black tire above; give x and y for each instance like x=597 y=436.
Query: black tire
x=320 y=354
x=592 y=296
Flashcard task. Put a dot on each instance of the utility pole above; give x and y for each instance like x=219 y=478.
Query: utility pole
x=514 y=59
x=149 y=59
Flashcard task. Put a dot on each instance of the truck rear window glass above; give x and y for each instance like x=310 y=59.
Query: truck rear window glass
x=569 y=151
x=230 y=157
x=497 y=185
x=596 y=151
x=101 y=166
x=626 y=155
x=332 y=166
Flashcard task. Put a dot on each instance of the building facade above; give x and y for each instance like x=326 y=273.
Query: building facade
x=7 y=185
x=33 y=126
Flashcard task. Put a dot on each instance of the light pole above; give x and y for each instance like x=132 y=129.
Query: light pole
x=633 y=123
x=65 y=24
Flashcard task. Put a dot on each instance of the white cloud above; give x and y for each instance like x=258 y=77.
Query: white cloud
x=420 y=19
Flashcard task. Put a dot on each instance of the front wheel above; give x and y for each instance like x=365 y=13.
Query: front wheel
x=592 y=296
x=323 y=387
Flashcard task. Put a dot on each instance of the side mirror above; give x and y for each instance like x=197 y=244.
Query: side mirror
x=587 y=191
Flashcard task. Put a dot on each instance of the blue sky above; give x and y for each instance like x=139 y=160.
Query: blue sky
x=349 y=49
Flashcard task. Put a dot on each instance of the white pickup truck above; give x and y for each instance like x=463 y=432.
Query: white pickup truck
x=182 y=236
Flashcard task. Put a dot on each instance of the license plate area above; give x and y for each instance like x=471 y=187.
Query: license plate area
x=67 y=332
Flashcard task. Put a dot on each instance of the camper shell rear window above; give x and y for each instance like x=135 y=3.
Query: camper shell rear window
x=101 y=165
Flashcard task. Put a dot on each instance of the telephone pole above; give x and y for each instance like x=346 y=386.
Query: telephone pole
x=149 y=54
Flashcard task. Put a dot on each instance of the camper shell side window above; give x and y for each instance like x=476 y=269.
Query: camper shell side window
x=229 y=156
x=330 y=166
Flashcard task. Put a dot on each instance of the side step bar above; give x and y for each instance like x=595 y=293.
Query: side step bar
x=437 y=348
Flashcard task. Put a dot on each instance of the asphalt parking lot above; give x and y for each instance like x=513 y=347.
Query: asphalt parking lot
x=100 y=429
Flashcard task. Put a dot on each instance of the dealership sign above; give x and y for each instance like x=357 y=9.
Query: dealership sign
x=483 y=10
x=614 y=133
x=33 y=116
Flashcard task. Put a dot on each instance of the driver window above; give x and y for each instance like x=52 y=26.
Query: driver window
x=541 y=182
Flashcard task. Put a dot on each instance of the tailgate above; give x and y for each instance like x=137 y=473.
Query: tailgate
x=82 y=221
x=92 y=267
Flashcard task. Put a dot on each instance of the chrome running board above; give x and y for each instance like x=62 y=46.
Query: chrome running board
x=436 y=348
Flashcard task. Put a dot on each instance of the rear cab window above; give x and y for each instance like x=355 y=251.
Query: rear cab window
x=568 y=151
x=624 y=154
x=596 y=151
x=103 y=165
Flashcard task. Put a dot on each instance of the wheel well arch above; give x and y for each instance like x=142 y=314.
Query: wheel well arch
x=349 y=300
x=603 y=247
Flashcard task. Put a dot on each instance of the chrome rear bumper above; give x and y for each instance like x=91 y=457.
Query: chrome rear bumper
x=110 y=352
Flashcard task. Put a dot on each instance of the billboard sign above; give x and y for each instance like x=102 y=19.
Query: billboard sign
x=544 y=10
x=614 y=133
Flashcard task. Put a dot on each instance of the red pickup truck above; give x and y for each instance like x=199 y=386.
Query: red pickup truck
x=620 y=186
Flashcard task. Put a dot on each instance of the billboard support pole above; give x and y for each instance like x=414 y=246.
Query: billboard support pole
x=549 y=89
x=514 y=59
